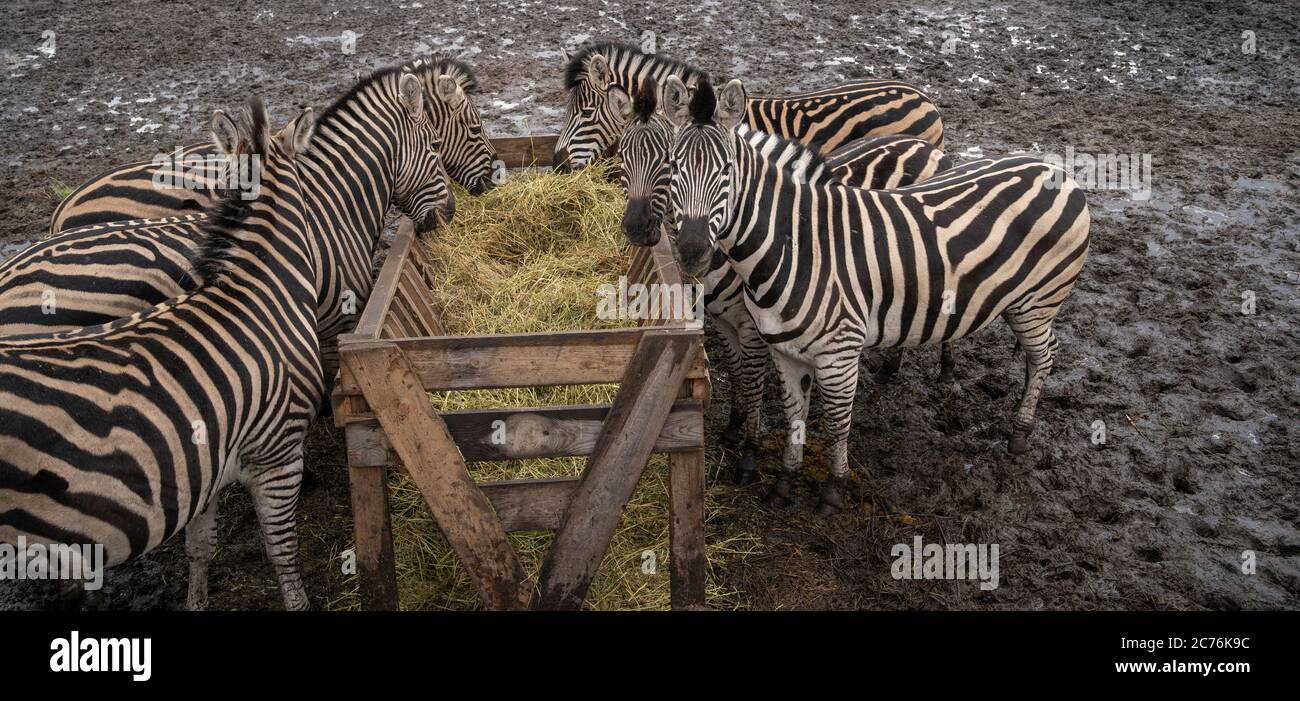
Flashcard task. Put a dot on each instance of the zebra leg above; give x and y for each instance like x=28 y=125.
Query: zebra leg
x=796 y=385
x=1039 y=342
x=275 y=499
x=753 y=365
x=837 y=381
x=732 y=435
x=947 y=363
x=200 y=543
x=891 y=359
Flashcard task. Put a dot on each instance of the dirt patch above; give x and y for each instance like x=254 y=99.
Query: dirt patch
x=1198 y=400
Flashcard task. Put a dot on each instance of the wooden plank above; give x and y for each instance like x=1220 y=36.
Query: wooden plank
x=553 y=432
x=376 y=568
x=686 y=528
x=417 y=292
x=367 y=446
x=420 y=439
x=526 y=151
x=381 y=296
x=627 y=437
x=531 y=505
x=521 y=360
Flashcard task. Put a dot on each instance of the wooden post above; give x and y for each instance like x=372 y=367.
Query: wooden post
x=628 y=435
x=374 y=537
x=420 y=438
x=686 y=528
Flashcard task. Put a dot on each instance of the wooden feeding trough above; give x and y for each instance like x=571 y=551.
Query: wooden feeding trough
x=400 y=352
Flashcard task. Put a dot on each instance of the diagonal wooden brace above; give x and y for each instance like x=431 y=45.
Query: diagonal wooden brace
x=420 y=438
x=645 y=397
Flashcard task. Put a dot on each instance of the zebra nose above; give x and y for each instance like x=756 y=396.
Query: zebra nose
x=560 y=163
x=637 y=224
x=693 y=245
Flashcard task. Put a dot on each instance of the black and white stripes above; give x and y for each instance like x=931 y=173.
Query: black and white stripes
x=124 y=434
x=829 y=270
x=149 y=189
x=602 y=78
x=378 y=145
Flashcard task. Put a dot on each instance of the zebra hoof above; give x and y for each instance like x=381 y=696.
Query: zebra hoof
x=1019 y=441
x=733 y=433
x=832 y=499
x=947 y=377
x=746 y=470
x=780 y=495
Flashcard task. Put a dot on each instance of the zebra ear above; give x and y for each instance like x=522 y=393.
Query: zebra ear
x=225 y=135
x=621 y=103
x=676 y=101
x=598 y=71
x=732 y=104
x=296 y=136
x=411 y=90
x=449 y=91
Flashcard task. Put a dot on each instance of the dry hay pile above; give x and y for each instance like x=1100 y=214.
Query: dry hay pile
x=529 y=256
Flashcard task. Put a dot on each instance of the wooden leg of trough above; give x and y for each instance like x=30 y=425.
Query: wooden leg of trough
x=627 y=437
x=374 y=537
x=686 y=528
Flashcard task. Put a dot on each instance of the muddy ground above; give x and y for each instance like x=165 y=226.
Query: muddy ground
x=1198 y=399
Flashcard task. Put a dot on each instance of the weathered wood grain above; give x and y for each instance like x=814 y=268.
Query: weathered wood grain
x=644 y=399
x=420 y=438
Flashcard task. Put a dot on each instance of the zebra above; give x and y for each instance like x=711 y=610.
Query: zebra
x=826 y=118
x=829 y=270
x=870 y=162
x=124 y=434
x=141 y=190
x=375 y=146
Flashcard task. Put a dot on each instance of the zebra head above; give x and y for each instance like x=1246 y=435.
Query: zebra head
x=593 y=118
x=701 y=158
x=422 y=190
x=643 y=150
x=248 y=143
x=471 y=159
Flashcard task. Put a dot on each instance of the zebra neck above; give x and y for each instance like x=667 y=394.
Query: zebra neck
x=769 y=201
x=347 y=189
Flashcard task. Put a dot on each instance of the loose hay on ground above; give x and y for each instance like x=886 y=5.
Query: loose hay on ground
x=529 y=256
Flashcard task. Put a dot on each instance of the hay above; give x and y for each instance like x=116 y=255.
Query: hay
x=529 y=256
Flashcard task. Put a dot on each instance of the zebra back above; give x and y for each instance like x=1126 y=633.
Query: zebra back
x=171 y=184
x=601 y=77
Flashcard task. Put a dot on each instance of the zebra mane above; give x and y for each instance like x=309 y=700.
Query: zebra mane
x=800 y=159
x=216 y=236
x=576 y=71
x=439 y=64
x=424 y=67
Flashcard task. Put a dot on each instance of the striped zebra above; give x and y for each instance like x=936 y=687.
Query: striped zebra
x=375 y=147
x=123 y=434
x=599 y=75
x=871 y=162
x=143 y=190
x=829 y=270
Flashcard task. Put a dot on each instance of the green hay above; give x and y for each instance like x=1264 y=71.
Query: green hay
x=529 y=256
x=58 y=190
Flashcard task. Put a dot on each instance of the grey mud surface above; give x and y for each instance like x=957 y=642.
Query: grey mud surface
x=1198 y=400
